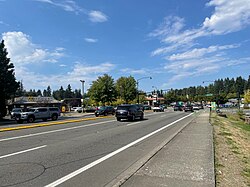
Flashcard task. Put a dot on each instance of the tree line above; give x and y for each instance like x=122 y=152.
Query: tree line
x=59 y=94
x=219 y=91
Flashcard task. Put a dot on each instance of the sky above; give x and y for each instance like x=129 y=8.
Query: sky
x=178 y=43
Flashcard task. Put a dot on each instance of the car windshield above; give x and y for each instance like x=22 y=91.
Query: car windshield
x=123 y=107
x=31 y=110
x=102 y=108
x=17 y=110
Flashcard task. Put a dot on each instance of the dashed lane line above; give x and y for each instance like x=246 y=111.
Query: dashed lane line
x=24 y=151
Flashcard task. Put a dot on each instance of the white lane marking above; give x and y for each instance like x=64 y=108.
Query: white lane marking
x=77 y=172
x=133 y=123
x=53 y=131
x=24 y=151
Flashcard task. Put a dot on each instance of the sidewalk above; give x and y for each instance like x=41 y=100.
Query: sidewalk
x=187 y=160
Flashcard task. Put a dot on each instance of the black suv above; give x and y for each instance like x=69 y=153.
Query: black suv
x=129 y=112
x=105 y=110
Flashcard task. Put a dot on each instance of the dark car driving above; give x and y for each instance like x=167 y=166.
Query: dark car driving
x=105 y=110
x=188 y=108
x=129 y=112
x=178 y=108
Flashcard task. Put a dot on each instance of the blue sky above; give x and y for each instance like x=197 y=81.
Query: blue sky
x=178 y=43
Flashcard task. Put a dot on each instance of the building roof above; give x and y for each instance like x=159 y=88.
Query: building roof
x=34 y=100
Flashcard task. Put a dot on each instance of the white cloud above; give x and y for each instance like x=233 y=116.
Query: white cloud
x=229 y=16
x=171 y=25
x=235 y=62
x=22 y=51
x=37 y=80
x=97 y=16
x=197 y=53
x=177 y=41
x=91 y=40
x=71 y=6
x=68 y=5
x=85 y=69
x=135 y=71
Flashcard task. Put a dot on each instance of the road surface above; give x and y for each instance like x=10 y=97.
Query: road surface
x=97 y=152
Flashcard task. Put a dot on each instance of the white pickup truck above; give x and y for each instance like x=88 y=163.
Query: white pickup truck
x=43 y=113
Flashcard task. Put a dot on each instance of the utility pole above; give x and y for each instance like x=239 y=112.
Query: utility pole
x=82 y=81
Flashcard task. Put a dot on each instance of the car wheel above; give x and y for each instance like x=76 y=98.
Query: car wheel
x=132 y=118
x=105 y=114
x=54 y=117
x=44 y=119
x=142 y=116
x=118 y=119
x=30 y=119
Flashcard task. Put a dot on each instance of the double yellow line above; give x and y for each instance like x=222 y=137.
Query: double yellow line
x=49 y=124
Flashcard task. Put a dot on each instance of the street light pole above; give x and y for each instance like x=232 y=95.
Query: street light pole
x=82 y=81
x=137 y=83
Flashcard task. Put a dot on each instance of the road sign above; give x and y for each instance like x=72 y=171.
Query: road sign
x=209 y=95
x=213 y=105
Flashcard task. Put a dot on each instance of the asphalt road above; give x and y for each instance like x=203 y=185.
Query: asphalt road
x=96 y=152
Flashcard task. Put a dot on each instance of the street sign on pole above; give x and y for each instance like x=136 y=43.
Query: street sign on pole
x=213 y=105
x=209 y=95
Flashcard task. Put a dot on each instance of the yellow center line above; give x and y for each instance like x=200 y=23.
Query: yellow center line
x=49 y=124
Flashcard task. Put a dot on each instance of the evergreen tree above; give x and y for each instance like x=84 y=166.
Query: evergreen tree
x=61 y=93
x=45 y=94
x=68 y=92
x=8 y=83
x=39 y=93
x=48 y=91
x=20 y=91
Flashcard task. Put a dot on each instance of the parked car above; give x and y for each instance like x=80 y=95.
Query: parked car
x=79 y=110
x=105 y=110
x=129 y=112
x=178 y=108
x=90 y=109
x=147 y=107
x=196 y=107
x=75 y=109
x=14 y=112
x=158 y=108
x=188 y=108
x=201 y=106
x=43 y=113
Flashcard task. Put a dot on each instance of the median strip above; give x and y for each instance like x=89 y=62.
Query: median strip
x=48 y=124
